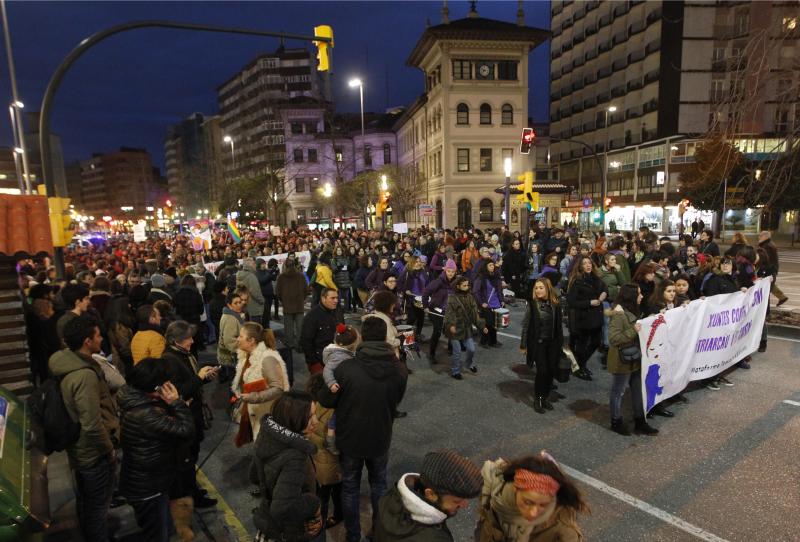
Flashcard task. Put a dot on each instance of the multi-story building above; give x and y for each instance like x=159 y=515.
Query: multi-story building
x=250 y=117
x=639 y=82
x=116 y=180
x=9 y=180
x=325 y=148
x=470 y=117
x=193 y=156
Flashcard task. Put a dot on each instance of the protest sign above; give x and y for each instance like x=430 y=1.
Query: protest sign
x=700 y=340
x=139 y=233
x=304 y=257
x=400 y=227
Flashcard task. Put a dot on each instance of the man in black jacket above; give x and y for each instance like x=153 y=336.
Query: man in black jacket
x=371 y=386
x=319 y=328
x=417 y=508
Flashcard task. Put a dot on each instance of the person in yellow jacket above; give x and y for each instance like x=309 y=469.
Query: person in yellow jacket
x=323 y=277
x=148 y=342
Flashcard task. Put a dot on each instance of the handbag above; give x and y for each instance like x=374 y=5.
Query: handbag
x=630 y=354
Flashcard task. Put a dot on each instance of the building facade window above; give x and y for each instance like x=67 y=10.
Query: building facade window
x=301 y=216
x=462 y=114
x=298 y=155
x=462 y=69
x=312 y=155
x=300 y=184
x=486 y=114
x=297 y=128
x=486 y=159
x=486 y=213
x=463 y=159
x=507 y=115
x=313 y=183
x=339 y=156
x=464 y=213
x=367 y=155
x=387 y=153
x=507 y=70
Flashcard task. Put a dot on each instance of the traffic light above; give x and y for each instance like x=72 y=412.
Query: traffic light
x=527 y=140
x=383 y=203
x=61 y=227
x=528 y=196
x=323 y=51
x=607 y=202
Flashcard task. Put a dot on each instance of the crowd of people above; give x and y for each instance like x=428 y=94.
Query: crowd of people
x=123 y=330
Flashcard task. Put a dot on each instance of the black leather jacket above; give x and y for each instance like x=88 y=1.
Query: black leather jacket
x=150 y=431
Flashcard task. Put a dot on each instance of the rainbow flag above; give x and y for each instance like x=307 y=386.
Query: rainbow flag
x=234 y=231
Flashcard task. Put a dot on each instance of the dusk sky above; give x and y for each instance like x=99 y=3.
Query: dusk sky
x=128 y=89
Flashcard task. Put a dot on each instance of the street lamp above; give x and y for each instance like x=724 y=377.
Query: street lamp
x=604 y=177
x=507 y=171
x=353 y=83
x=384 y=184
x=229 y=139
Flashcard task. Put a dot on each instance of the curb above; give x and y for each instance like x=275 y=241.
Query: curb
x=782 y=330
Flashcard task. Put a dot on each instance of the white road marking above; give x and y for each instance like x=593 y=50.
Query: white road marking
x=793 y=403
x=664 y=516
x=509 y=335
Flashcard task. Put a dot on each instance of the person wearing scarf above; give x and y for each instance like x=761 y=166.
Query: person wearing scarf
x=528 y=499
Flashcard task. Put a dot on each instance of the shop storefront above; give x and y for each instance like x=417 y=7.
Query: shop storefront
x=747 y=221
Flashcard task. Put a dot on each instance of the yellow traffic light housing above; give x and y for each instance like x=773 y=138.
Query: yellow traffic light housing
x=61 y=225
x=323 y=47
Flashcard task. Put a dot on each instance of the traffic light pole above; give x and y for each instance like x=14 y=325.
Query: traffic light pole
x=88 y=43
x=602 y=175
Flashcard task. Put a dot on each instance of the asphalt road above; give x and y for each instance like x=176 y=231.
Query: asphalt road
x=724 y=468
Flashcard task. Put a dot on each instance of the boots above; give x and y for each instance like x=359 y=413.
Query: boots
x=181 y=510
x=618 y=426
x=537 y=405
x=643 y=428
x=546 y=403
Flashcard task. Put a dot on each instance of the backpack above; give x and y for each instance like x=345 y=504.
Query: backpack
x=56 y=429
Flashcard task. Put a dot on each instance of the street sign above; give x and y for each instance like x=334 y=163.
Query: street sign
x=587 y=202
x=426 y=209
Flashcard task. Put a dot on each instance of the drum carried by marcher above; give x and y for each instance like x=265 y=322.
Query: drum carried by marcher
x=502 y=317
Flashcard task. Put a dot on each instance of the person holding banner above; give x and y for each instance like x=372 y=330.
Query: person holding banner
x=624 y=359
x=586 y=292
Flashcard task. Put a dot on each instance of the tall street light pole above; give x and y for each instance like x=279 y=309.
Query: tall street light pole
x=507 y=170
x=604 y=177
x=16 y=104
x=229 y=139
x=360 y=84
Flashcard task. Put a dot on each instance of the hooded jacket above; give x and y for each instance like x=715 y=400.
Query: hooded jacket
x=255 y=305
x=151 y=432
x=462 y=312
x=283 y=470
x=332 y=356
x=291 y=288
x=621 y=333
x=405 y=516
x=372 y=385
x=88 y=401
x=229 y=326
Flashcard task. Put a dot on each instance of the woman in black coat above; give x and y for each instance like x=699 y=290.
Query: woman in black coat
x=721 y=281
x=267 y=274
x=289 y=509
x=542 y=338
x=189 y=306
x=585 y=295
x=184 y=372
x=153 y=425
x=514 y=268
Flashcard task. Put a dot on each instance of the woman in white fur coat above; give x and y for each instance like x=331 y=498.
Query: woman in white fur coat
x=260 y=378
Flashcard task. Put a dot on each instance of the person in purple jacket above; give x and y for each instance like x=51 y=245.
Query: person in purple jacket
x=438 y=260
x=434 y=298
x=413 y=282
x=487 y=288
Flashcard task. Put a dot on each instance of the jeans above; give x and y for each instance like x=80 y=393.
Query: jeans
x=153 y=517
x=292 y=326
x=467 y=344
x=618 y=385
x=344 y=298
x=93 y=488
x=488 y=316
x=351 y=485
x=606 y=306
x=355 y=299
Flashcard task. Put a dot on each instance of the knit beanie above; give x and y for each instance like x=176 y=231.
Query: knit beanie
x=448 y=473
x=450 y=265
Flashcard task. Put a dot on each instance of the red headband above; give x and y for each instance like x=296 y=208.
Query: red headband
x=526 y=480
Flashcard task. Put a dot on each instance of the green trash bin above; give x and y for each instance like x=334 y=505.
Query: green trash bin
x=19 y=519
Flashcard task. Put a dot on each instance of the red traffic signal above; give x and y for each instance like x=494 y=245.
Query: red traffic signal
x=527 y=140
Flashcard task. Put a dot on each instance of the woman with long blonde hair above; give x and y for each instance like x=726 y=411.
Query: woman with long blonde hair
x=542 y=339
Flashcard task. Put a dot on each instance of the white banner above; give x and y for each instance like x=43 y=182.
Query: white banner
x=700 y=340
x=139 y=233
x=303 y=256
